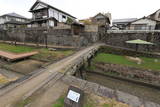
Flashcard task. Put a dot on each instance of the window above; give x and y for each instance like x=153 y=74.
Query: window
x=63 y=16
x=159 y=15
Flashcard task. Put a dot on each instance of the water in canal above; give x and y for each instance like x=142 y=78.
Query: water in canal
x=144 y=92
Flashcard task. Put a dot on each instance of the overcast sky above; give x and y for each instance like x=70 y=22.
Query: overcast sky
x=87 y=8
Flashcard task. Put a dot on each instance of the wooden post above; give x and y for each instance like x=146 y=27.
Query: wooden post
x=46 y=39
x=15 y=43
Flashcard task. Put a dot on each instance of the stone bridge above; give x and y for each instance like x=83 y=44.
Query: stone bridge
x=16 y=91
x=63 y=70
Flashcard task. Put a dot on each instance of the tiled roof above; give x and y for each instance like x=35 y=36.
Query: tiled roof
x=127 y=20
x=14 y=15
x=15 y=22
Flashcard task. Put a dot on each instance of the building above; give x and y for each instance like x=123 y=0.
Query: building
x=144 y=23
x=151 y=22
x=114 y=27
x=122 y=23
x=155 y=15
x=102 y=19
x=98 y=21
x=45 y=15
x=12 y=20
x=87 y=21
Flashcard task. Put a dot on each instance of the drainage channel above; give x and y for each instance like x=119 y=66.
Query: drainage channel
x=144 y=92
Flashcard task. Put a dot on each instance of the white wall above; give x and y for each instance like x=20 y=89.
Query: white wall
x=51 y=23
x=145 y=21
x=51 y=13
x=2 y=20
x=54 y=13
x=147 y=24
x=6 y=19
x=58 y=15
x=157 y=15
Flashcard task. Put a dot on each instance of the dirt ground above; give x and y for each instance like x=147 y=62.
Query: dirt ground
x=11 y=71
x=8 y=76
x=92 y=100
x=45 y=97
x=15 y=70
x=29 y=85
x=49 y=96
x=25 y=67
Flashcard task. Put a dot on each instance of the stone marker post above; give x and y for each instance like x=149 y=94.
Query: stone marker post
x=74 y=97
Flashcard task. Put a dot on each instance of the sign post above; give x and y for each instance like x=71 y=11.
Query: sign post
x=74 y=97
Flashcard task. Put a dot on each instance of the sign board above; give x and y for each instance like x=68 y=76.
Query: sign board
x=74 y=96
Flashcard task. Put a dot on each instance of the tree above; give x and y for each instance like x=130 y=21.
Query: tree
x=69 y=21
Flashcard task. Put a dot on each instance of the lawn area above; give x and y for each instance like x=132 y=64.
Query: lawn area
x=59 y=102
x=15 y=49
x=147 y=63
x=93 y=101
x=44 y=54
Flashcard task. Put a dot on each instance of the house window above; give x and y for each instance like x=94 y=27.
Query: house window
x=64 y=17
x=159 y=15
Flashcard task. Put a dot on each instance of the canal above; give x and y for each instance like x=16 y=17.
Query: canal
x=144 y=92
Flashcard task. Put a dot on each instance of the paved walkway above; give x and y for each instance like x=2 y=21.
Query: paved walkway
x=13 y=57
x=7 y=99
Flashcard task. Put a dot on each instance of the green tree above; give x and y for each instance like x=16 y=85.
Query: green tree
x=69 y=21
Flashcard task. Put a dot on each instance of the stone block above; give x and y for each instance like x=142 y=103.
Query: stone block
x=150 y=104
x=91 y=87
x=128 y=99
x=71 y=80
x=107 y=92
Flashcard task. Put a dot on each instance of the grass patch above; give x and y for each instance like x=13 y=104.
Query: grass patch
x=107 y=105
x=92 y=100
x=44 y=54
x=148 y=63
x=3 y=79
x=59 y=102
x=15 y=49
x=23 y=103
x=91 y=68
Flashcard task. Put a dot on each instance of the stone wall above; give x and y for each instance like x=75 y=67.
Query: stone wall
x=118 y=38
x=63 y=37
x=129 y=73
x=91 y=28
x=97 y=89
x=127 y=52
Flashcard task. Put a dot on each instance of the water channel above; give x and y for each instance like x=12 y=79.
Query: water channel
x=144 y=92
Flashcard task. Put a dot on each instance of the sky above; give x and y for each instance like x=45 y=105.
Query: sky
x=87 y=8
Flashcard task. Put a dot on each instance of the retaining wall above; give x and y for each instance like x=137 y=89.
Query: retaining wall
x=126 y=51
x=132 y=100
x=63 y=37
x=118 y=38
